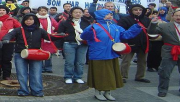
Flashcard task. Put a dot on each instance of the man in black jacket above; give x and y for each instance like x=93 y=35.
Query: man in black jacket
x=139 y=44
x=64 y=15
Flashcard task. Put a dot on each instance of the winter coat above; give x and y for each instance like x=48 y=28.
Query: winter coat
x=53 y=23
x=33 y=38
x=67 y=27
x=103 y=50
x=138 y=42
x=8 y=25
x=89 y=19
x=64 y=14
x=54 y=26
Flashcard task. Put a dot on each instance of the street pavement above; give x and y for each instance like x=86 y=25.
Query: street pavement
x=131 y=92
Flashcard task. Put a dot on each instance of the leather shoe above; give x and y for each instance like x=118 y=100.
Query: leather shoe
x=162 y=94
x=143 y=80
x=151 y=70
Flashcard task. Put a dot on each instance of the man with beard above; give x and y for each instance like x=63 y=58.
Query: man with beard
x=139 y=44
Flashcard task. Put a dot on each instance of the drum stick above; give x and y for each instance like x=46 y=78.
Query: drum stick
x=12 y=41
x=60 y=34
x=132 y=45
x=6 y=42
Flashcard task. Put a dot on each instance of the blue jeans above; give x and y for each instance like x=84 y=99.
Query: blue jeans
x=75 y=58
x=47 y=64
x=29 y=69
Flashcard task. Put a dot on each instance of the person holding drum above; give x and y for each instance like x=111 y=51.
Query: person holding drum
x=74 y=48
x=7 y=24
x=30 y=35
x=50 y=25
x=103 y=71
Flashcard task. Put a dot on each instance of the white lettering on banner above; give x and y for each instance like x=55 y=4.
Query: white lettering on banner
x=119 y=4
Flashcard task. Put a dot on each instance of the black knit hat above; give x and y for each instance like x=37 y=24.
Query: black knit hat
x=10 y=0
x=24 y=8
x=4 y=7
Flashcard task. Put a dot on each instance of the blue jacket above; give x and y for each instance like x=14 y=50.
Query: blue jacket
x=103 y=50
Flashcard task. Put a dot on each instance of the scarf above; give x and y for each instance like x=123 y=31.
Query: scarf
x=48 y=22
x=30 y=28
x=4 y=17
x=11 y=6
x=78 y=30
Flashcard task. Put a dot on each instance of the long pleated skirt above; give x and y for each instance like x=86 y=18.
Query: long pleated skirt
x=104 y=74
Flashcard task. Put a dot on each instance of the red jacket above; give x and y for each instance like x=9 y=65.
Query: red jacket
x=54 y=26
x=8 y=24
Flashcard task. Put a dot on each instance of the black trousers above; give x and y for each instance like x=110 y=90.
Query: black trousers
x=6 y=54
x=154 y=54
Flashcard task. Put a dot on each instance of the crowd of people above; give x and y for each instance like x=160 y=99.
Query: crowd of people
x=87 y=36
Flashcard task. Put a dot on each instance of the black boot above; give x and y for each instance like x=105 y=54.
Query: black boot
x=150 y=69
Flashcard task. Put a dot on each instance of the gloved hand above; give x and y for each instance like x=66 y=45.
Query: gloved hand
x=62 y=34
x=5 y=41
x=95 y=1
x=1 y=44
